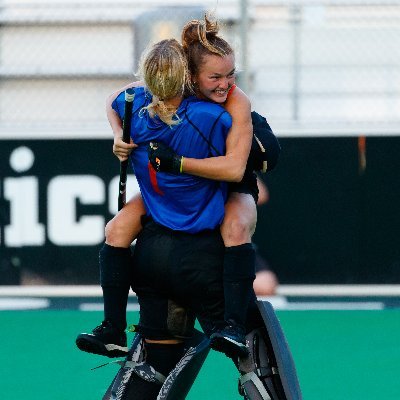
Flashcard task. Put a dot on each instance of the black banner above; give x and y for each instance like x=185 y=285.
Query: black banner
x=56 y=197
x=333 y=214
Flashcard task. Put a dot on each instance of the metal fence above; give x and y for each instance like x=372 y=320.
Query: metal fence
x=309 y=66
x=313 y=67
x=325 y=63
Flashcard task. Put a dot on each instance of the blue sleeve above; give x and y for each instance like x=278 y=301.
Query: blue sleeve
x=118 y=105
x=219 y=133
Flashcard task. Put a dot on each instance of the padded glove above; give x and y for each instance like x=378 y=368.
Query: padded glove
x=164 y=159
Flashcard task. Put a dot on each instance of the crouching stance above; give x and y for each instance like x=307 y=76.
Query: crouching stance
x=149 y=372
x=160 y=370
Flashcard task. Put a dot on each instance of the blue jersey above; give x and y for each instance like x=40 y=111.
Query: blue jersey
x=180 y=202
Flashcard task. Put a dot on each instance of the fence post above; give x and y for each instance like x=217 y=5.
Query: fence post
x=244 y=28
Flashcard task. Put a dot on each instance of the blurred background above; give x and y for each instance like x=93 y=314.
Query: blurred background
x=326 y=75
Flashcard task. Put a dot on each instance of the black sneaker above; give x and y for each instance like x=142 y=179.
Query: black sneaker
x=231 y=341
x=104 y=340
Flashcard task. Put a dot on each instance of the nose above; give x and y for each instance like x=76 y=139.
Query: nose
x=224 y=83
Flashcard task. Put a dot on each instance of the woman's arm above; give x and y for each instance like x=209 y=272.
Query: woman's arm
x=120 y=148
x=230 y=167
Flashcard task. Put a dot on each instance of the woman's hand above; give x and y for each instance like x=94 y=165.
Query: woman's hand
x=121 y=149
x=164 y=159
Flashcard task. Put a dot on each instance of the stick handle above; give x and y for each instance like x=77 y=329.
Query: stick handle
x=126 y=136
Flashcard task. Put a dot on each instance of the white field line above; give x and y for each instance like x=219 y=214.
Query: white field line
x=52 y=291
x=283 y=290
x=281 y=303
x=339 y=290
x=331 y=306
x=100 y=307
x=7 y=303
x=295 y=306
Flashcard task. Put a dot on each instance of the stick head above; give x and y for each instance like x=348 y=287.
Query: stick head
x=129 y=95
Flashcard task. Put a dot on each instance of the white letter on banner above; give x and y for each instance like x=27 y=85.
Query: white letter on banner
x=24 y=228
x=63 y=226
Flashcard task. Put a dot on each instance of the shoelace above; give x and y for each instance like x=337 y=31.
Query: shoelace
x=120 y=362
x=102 y=326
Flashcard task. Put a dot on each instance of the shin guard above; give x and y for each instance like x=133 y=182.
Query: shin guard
x=132 y=367
x=268 y=372
x=181 y=378
x=173 y=387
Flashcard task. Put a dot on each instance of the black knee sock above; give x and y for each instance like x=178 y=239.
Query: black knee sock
x=163 y=358
x=254 y=319
x=138 y=388
x=239 y=274
x=115 y=279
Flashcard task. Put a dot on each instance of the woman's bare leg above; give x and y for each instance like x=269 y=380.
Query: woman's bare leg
x=239 y=268
x=115 y=261
x=123 y=229
x=240 y=219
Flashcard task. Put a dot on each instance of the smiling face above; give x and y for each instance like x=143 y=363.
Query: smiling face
x=215 y=77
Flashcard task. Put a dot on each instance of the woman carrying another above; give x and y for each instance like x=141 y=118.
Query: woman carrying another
x=212 y=69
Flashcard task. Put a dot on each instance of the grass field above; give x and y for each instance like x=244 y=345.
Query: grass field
x=346 y=355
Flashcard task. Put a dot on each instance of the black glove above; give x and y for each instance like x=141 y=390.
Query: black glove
x=163 y=158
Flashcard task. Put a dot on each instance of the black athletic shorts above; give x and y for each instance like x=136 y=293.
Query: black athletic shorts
x=247 y=185
x=186 y=268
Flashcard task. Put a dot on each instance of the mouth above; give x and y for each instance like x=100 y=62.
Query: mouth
x=221 y=92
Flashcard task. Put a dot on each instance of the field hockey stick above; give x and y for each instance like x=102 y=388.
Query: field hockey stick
x=126 y=137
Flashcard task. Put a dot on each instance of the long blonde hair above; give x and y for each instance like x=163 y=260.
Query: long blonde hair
x=165 y=72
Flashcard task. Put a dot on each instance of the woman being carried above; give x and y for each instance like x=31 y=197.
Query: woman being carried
x=212 y=68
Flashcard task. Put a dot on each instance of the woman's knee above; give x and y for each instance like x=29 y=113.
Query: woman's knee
x=236 y=231
x=123 y=229
x=118 y=233
x=239 y=223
